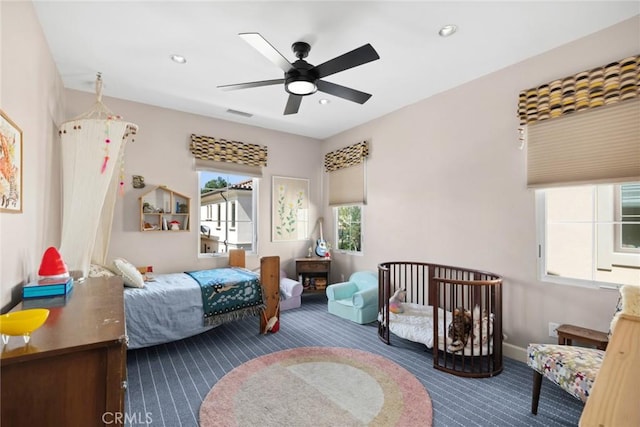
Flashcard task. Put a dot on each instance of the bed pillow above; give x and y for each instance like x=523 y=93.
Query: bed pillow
x=97 y=270
x=130 y=274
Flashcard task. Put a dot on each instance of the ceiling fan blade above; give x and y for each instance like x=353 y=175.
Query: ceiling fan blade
x=356 y=57
x=343 y=92
x=293 y=104
x=251 y=84
x=264 y=47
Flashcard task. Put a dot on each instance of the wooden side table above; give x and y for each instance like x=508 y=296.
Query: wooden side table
x=568 y=333
x=313 y=273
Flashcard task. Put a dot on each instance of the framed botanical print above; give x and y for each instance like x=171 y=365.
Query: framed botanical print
x=290 y=209
x=10 y=165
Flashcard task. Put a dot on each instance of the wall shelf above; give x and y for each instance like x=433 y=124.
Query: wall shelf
x=162 y=209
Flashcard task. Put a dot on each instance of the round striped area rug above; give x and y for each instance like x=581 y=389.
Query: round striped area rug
x=317 y=386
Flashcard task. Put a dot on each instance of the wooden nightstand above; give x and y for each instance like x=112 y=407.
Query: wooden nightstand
x=313 y=273
x=568 y=333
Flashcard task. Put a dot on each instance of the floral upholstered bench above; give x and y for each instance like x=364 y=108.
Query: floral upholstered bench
x=573 y=368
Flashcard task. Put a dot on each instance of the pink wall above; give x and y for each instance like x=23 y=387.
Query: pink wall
x=31 y=94
x=446 y=184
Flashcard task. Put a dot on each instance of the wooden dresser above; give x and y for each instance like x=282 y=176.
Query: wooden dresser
x=72 y=372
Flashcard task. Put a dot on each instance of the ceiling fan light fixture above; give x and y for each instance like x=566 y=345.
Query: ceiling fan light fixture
x=301 y=78
x=448 y=30
x=301 y=87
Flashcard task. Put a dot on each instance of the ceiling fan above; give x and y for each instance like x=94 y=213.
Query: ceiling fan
x=301 y=78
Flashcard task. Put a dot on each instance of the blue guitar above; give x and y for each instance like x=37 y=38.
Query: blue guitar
x=321 y=245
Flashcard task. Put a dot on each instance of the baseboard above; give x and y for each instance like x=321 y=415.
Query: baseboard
x=513 y=352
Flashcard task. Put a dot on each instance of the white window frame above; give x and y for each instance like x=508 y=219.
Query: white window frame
x=227 y=220
x=618 y=228
x=336 y=229
x=604 y=253
x=234 y=215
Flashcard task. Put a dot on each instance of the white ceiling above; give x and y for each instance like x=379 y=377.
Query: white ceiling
x=130 y=44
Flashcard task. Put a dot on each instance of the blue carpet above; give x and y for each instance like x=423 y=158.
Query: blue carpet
x=167 y=383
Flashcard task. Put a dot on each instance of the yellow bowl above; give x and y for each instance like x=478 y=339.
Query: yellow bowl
x=23 y=322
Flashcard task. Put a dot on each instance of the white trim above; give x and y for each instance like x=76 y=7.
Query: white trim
x=514 y=352
x=602 y=223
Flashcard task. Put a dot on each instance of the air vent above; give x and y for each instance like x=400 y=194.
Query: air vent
x=239 y=113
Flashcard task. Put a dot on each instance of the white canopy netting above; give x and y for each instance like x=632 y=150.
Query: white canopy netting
x=93 y=147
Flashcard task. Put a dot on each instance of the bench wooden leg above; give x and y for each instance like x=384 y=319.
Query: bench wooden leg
x=535 y=393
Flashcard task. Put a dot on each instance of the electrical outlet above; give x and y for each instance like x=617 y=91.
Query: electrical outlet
x=552 y=329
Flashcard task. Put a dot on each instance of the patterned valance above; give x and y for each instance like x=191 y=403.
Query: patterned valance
x=347 y=156
x=221 y=150
x=615 y=82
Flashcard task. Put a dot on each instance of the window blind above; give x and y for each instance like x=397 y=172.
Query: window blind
x=232 y=168
x=615 y=82
x=347 y=186
x=228 y=156
x=590 y=146
x=347 y=180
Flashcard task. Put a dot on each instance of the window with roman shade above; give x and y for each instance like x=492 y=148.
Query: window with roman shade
x=233 y=169
x=583 y=158
x=584 y=128
x=346 y=169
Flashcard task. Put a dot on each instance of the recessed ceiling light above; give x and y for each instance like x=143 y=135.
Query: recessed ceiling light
x=324 y=101
x=178 y=59
x=447 y=30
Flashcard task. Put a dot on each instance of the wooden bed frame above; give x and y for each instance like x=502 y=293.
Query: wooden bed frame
x=269 y=279
x=446 y=287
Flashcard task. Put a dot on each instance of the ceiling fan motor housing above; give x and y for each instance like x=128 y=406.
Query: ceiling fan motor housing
x=302 y=71
x=301 y=49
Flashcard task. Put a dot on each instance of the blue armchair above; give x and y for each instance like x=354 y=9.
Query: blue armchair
x=357 y=299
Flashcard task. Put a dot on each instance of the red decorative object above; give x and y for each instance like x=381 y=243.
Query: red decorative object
x=104 y=164
x=52 y=264
x=276 y=327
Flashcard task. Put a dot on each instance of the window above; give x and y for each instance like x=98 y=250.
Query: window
x=348 y=228
x=228 y=213
x=589 y=235
x=233 y=215
x=628 y=214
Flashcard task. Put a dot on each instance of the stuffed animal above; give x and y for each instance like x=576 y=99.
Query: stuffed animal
x=629 y=303
x=395 y=302
x=459 y=329
x=482 y=327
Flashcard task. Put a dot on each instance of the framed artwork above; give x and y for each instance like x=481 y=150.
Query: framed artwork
x=10 y=165
x=289 y=209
